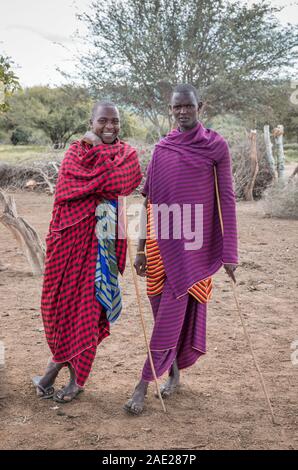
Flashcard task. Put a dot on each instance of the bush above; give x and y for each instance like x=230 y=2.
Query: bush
x=230 y=127
x=281 y=199
x=291 y=146
x=131 y=126
x=20 y=136
x=291 y=154
x=4 y=137
x=38 y=137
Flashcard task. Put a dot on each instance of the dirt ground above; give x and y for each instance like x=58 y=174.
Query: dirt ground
x=221 y=403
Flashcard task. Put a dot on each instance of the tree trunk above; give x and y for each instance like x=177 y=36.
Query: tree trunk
x=254 y=167
x=25 y=235
x=269 y=154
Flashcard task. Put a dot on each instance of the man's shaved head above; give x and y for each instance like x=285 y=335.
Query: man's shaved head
x=185 y=106
x=186 y=88
x=105 y=121
x=99 y=104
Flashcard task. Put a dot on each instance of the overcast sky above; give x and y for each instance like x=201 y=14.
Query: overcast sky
x=39 y=35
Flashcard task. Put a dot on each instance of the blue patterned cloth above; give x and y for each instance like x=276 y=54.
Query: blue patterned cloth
x=107 y=289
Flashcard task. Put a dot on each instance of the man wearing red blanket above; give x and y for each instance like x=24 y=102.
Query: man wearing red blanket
x=97 y=168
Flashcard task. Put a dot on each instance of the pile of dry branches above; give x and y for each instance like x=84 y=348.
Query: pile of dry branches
x=281 y=199
x=41 y=176
x=241 y=154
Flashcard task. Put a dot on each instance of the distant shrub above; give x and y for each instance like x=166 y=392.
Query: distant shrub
x=38 y=137
x=281 y=199
x=4 y=137
x=131 y=126
x=291 y=154
x=152 y=136
x=20 y=135
x=230 y=127
x=291 y=146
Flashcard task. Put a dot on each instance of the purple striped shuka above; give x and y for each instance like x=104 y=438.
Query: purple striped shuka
x=181 y=172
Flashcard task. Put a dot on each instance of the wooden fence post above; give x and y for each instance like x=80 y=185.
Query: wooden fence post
x=254 y=166
x=278 y=133
x=269 y=153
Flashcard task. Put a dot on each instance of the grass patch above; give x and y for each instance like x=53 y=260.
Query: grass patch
x=19 y=154
x=291 y=154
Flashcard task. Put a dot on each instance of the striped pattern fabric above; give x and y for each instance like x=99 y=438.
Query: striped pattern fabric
x=107 y=289
x=181 y=172
x=156 y=275
x=179 y=332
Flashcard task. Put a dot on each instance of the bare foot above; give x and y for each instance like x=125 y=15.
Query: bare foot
x=46 y=382
x=173 y=382
x=70 y=391
x=135 y=405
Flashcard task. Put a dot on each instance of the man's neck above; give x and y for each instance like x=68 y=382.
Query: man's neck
x=181 y=129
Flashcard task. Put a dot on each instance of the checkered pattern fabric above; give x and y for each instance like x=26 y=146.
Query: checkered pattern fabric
x=74 y=320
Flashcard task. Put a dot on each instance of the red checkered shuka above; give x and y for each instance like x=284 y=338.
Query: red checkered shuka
x=74 y=320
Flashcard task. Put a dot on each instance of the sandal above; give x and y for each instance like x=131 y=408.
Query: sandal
x=47 y=392
x=60 y=394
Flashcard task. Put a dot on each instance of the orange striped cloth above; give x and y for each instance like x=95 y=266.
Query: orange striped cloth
x=201 y=290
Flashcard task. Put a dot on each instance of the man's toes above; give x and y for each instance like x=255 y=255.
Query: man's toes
x=67 y=397
x=165 y=388
x=136 y=408
x=133 y=407
x=165 y=392
x=127 y=405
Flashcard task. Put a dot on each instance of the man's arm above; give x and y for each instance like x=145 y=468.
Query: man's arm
x=140 y=260
x=228 y=209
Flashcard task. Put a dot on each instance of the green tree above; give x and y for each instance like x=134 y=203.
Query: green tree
x=8 y=82
x=141 y=48
x=59 y=112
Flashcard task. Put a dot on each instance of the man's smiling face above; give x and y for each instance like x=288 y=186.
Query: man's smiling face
x=105 y=123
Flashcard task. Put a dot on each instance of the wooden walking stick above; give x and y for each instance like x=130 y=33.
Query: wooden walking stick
x=135 y=280
x=246 y=334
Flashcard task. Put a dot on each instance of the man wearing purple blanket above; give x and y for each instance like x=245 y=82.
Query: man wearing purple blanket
x=179 y=261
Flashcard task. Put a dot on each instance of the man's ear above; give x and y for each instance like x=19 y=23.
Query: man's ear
x=200 y=107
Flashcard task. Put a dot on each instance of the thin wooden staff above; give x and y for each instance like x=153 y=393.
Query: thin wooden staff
x=240 y=313
x=135 y=280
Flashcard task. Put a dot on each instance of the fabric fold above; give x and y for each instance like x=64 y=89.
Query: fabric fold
x=75 y=322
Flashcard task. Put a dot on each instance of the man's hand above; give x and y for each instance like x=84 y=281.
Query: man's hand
x=92 y=138
x=230 y=268
x=140 y=265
